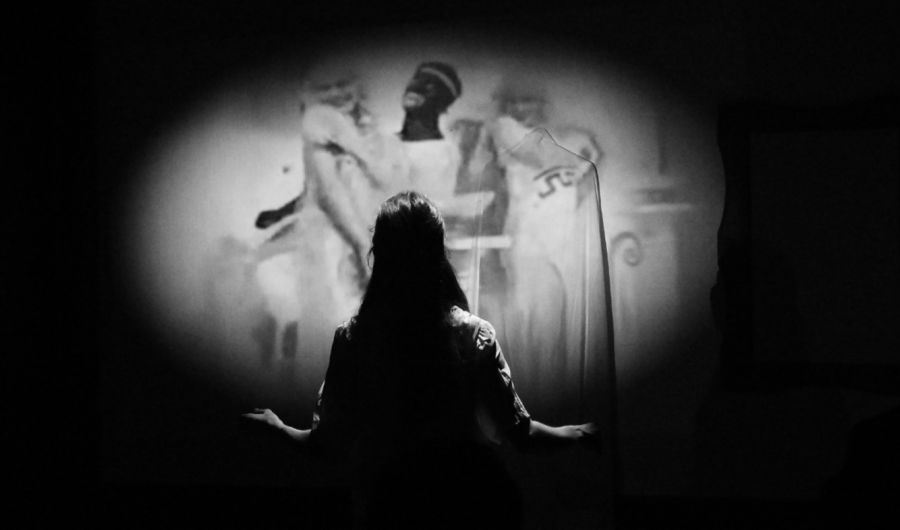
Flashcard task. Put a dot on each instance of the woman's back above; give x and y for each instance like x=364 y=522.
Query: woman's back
x=397 y=390
x=424 y=460
x=441 y=484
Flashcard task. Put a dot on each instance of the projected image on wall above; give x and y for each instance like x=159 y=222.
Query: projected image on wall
x=253 y=215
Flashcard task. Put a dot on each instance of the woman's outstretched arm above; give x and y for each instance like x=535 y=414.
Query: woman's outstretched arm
x=541 y=438
x=267 y=422
x=505 y=413
x=332 y=417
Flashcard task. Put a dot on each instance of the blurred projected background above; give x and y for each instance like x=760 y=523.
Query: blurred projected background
x=241 y=240
x=246 y=229
x=248 y=221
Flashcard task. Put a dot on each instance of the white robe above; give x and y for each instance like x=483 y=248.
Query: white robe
x=549 y=273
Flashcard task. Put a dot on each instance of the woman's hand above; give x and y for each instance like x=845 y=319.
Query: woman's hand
x=590 y=437
x=261 y=420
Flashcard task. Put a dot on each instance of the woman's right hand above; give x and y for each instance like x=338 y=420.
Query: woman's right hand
x=261 y=420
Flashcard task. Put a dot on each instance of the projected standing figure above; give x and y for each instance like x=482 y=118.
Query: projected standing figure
x=433 y=160
x=316 y=228
x=351 y=167
x=545 y=261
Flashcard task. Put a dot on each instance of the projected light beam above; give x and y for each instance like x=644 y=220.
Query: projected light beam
x=260 y=304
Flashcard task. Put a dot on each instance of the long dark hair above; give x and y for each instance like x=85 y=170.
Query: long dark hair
x=411 y=274
x=402 y=330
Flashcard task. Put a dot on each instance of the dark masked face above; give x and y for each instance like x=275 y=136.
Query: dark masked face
x=422 y=91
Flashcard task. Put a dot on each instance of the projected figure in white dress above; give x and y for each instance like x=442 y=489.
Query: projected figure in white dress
x=545 y=263
x=323 y=231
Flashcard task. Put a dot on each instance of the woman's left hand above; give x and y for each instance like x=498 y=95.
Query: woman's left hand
x=590 y=437
x=261 y=420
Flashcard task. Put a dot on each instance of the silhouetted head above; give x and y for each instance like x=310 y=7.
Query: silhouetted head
x=410 y=270
x=409 y=230
x=434 y=86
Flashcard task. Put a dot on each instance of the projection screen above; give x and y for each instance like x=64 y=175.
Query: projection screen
x=249 y=225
